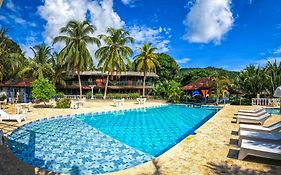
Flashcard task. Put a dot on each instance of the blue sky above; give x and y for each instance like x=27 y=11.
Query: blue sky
x=197 y=33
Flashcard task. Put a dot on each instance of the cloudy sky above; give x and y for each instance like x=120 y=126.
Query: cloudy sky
x=197 y=33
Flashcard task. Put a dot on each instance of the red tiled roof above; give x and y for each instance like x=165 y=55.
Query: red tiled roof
x=202 y=83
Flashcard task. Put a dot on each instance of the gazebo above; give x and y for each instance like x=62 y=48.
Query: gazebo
x=202 y=85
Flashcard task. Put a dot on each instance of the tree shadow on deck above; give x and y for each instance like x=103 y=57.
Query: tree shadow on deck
x=228 y=168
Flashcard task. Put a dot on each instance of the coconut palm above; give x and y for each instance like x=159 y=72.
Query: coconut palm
x=60 y=71
x=273 y=76
x=75 y=54
x=251 y=81
x=220 y=85
x=146 y=62
x=114 y=55
x=40 y=65
x=11 y=56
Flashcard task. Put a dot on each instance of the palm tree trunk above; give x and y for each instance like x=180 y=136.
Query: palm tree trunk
x=80 y=85
x=143 y=85
x=106 y=86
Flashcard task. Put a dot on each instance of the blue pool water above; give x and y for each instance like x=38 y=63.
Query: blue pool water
x=273 y=110
x=104 y=142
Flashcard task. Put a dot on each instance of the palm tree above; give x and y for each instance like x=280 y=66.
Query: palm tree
x=220 y=85
x=114 y=56
x=146 y=61
x=11 y=56
x=273 y=75
x=251 y=81
x=75 y=54
x=40 y=65
x=60 y=71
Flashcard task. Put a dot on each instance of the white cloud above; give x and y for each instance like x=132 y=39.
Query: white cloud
x=129 y=2
x=159 y=37
x=277 y=50
x=208 y=20
x=10 y=5
x=2 y=18
x=102 y=15
x=263 y=62
x=183 y=60
x=19 y=20
x=58 y=12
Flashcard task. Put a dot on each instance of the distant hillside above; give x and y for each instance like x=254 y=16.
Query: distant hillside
x=230 y=74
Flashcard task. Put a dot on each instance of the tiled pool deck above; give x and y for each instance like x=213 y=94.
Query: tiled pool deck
x=211 y=151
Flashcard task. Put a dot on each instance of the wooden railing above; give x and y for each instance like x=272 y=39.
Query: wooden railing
x=74 y=96
x=273 y=102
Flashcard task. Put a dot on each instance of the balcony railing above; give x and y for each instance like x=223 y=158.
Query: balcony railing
x=273 y=102
x=111 y=83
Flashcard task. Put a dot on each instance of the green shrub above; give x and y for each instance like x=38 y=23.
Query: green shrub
x=99 y=95
x=3 y=97
x=89 y=94
x=119 y=95
x=43 y=89
x=134 y=95
x=63 y=103
x=60 y=94
x=243 y=101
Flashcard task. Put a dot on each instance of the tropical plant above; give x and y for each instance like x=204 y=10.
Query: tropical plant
x=251 y=81
x=169 y=90
x=146 y=61
x=60 y=72
x=220 y=86
x=63 y=103
x=43 y=89
x=75 y=54
x=114 y=55
x=273 y=76
x=40 y=65
x=11 y=56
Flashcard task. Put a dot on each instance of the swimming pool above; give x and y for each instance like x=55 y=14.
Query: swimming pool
x=273 y=110
x=105 y=142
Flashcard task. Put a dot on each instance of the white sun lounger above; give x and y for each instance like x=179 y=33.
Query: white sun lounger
x=255 y=120
x=260 y=136
x=252 y=111
x=6 y=116
x=253 y=114
x=274 y=128
x=260 y=149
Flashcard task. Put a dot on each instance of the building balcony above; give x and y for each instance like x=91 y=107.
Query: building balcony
x=111 y=84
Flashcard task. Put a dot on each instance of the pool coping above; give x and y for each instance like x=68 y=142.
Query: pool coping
x=140 y=166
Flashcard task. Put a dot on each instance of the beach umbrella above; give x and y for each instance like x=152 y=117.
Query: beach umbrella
x=277 y=93
x=195 y=93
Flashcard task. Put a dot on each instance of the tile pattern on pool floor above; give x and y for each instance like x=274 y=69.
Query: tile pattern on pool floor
x=151 y=130
x=68 y=145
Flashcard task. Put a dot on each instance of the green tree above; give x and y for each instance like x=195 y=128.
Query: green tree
x=75 y=54
x=273 y=76
x=251 y=81
x=146 y=61
x=220 y=86
x=40 y=65
x=60 y=71
x=168 y=68
x=43 y=89
x=169 y=90
x=11 y=57
x=114 y=55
